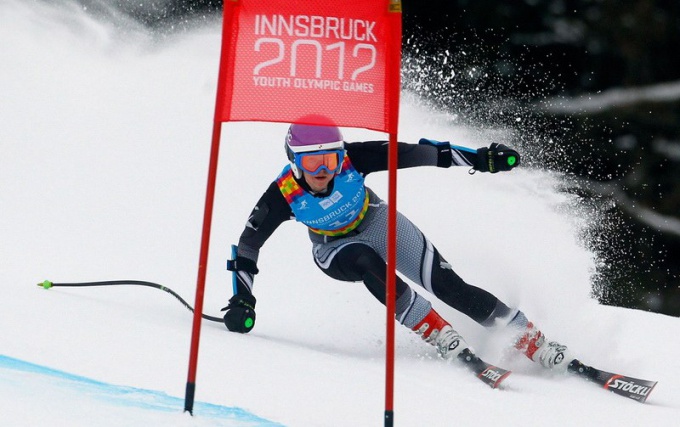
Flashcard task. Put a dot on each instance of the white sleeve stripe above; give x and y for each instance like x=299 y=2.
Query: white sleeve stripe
x=246 y=280
x=458 y=159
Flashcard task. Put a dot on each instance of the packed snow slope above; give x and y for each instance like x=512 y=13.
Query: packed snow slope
x=104 y=145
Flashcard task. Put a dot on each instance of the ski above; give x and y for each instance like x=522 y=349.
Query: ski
x=489 y=374
x=633 y=388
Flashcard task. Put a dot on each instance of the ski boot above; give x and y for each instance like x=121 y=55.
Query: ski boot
x=434 y=330
x=549 y=354
x=451 y=345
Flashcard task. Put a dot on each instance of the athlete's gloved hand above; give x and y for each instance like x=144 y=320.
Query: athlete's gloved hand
x=240 y=313
x=497 y=157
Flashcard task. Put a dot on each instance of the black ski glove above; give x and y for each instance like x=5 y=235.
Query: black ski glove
x=497 y=157
x=240 y=313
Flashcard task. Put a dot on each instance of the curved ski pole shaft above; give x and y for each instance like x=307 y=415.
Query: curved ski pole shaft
x=48 y=284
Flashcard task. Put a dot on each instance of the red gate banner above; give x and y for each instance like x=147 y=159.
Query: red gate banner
x=284 y=59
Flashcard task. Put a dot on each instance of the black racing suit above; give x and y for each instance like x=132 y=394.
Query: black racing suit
x=360 y=254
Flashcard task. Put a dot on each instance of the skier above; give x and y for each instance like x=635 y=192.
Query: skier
x=323 y=187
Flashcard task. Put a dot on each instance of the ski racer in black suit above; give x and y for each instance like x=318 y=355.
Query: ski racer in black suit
x=323 y=187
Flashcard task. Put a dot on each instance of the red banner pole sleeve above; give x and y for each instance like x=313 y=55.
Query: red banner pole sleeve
x=390 y=300
x=202 y=269
x=393 y=78
x=227 y=24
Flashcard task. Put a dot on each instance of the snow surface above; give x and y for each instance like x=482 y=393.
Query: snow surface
x=104 y=144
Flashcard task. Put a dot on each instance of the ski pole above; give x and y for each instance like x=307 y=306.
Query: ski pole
x=48 y=284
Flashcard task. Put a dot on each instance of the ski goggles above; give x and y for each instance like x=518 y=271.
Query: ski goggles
x=316 y=161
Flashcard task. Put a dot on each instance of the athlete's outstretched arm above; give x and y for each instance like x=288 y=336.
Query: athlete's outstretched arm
x=269 y=212
x=495 y=158
x=371 y=156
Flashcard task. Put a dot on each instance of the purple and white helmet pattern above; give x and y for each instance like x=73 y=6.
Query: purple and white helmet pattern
x=322 y=135
x=312 y=133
